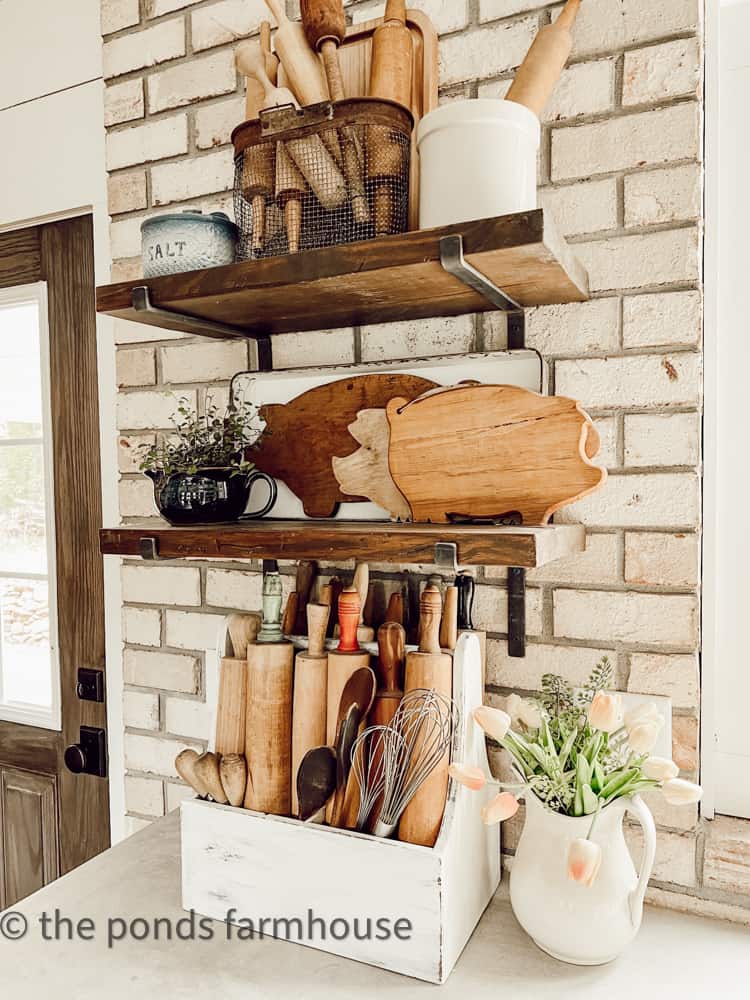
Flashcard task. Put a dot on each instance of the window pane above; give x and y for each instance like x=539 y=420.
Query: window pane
x=23 y=546
x=20 y=371
x=25 y=653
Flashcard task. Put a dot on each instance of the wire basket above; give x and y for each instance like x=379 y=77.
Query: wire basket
x=328 y=174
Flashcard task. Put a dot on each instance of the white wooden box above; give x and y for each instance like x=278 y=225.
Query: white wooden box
x=238 y=865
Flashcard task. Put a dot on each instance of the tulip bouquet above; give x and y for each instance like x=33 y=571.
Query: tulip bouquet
x=577 y=752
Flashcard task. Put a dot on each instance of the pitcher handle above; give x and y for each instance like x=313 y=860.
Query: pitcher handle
x=642 y=813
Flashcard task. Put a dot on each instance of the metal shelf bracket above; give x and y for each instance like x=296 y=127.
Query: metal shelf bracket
x=516 y=612
x=446 y=556
x=453 y=261
x=203 y=327
x=148 y=548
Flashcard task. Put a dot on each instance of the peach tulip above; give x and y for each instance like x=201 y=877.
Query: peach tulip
x=493 y=721
x=660 y=769
x=470 y=777
x=502 y=807
x=584 y=861
x=605 y=712
x=679 y=792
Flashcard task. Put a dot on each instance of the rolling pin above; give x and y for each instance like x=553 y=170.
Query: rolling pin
x=254 y=93
x=290 y=614
x=307 y=570
x=449 y=623
x=243 y=629
x=361 y=584
x=270 y=630
x=230 y=713
x=431 y=669
x=268 y=744
x=544 y=62
x=233 y=773
x=329 y=594
x=310 y=155
x=206 y=769
x=324 y=22
x=395 y=609
x=185 y=767
x=310 y=693
x=389 y=671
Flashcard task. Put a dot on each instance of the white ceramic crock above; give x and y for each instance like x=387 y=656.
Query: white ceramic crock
x=477 y=160
x=575 y=923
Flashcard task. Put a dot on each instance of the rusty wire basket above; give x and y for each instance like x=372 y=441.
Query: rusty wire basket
x=328 y=174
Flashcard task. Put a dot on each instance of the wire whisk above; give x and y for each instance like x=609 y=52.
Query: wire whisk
x=368 y=768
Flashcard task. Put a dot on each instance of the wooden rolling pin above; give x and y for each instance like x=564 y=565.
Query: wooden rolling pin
x=290 y=611
x=268 y=744
x=206 y=769
x=389 y=671
x=310 y=693
x=230 y=713
x=254 y=93
x=324 y=22
x=243 y=630
x=361 y=584
x=449 y=623
x=310 y=155
x=233 y=773
x=185 y=766
x=307 y=570
x=431 y=669
x=395 y=610
x=544 y=62
x=329 y=594
x=270 y=630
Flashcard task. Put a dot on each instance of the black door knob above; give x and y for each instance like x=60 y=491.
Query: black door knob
x=75 y=758
x=89 y=755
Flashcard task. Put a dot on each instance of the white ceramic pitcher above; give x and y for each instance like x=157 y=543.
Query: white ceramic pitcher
x=583 y=925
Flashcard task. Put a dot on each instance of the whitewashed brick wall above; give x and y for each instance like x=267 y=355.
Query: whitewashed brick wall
x=620 y=167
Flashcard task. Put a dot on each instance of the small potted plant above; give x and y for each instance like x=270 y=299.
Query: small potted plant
x=200 y=471
x=581 y=764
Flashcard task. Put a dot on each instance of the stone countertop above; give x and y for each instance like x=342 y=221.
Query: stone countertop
x=674 y=956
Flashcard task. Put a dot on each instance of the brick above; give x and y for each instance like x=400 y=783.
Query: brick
x=177 y=793
x=572 y=662
x=660 y=196
x=118 y=14
x=626 y=143
x=144 y=143
x=154 y=755
x=214 y=124
x=226 y=22
x=675 y=677
x=140 y=710
x=662 y=319
x=191 y=719
x=675 y=855
x=563 y=331
x=635 y=381
x=129 y=270
x=582 y=208
x=192 y=178
x=136 y=498
x=602 y=616
x=491 y=610
x=187 y=630
x=597 y=565
x=136 y=366
x=126 y=192
x=418 y=338
x=179 y=85
x=609 y=25
x=657 y=500
x=125 y=237
x=495 y=89
x=606 y=458
x=123 y=102
x=203 y=361
x=485 y=53
x=493 y=10
x=645 y=259
x=661 y=72
x=662 y=439
x=144 y=48
x=661 y=560
x=129 y=452
x=155 y=8
x=144 y=796
x=446 y=15
x=172 y=671
x=726 y=864
x=161 y=585
x=583 y=89
x=685 y=743
x=141 y=626
x=330 y=347
x=240 y=591
x=146 y=410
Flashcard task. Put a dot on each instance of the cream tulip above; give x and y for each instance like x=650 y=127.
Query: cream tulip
x=647 y=712
x=605 y=712
x=660 y=769
x=679 y=792
x=470 y=777
x=642 y=738
x=502 y=807
x=584 y=861
x=493 y=721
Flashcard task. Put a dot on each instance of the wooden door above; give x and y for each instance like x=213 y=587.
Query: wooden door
x=51 y=590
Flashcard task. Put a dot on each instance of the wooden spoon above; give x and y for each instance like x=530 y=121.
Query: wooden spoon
x=356 y=702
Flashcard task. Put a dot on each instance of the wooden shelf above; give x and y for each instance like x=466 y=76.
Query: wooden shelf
x=331 y=540
x=394 y=278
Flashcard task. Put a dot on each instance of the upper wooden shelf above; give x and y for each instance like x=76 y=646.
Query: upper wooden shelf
x=330 y=540
x=377 y=281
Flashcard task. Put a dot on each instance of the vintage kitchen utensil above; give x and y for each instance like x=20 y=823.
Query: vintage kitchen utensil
x=272 y=597
x=316 y=781
x=428 y=669
x=395 y=610
x=414 y=747
x=361 y=584
x=466 y=587
x=268 y=744
x=324 y=22
x=254 y=92
x=307 y=570
x=310 y=693
x=329 y=594
x=449 y=623
x=366 y=472
x=356 y=701
x=231 y=707
x=290 y=192
x=206 y=769
x=389 y=671
x=368 y=770
x=233 y=773
x=290 y=614
x=186 y=241
x=306 y=466
x=185 y=766
x=482 y=451
x=243 y=630
x=545 y=61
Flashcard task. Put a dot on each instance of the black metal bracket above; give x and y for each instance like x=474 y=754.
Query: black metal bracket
x=183 y=323
x=148 y=548
x=516 y=612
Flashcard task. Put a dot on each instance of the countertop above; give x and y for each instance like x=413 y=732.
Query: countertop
x=674 y=955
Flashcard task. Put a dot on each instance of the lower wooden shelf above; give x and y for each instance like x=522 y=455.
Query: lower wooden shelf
x=331 y=540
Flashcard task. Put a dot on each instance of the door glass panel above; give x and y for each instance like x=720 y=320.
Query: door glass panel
x=24 y=615
x=20 y=371
x=23 y=541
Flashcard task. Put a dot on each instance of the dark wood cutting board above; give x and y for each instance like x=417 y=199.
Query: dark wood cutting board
x=305 y=434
